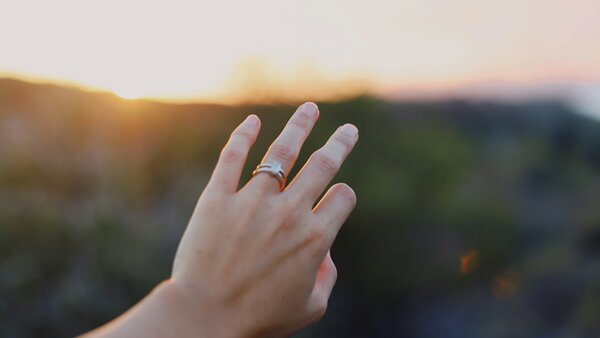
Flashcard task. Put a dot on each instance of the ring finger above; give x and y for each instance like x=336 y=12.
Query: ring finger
x=322 y=166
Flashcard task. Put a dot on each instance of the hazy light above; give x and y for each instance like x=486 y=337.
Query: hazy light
x=129 y=93
x=235 y=49
x=586 y=100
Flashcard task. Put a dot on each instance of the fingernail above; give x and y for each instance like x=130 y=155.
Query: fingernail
x=252 y=120
x=310 y=109
x=349 y=130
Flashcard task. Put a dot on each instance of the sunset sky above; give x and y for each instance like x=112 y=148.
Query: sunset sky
x=227 y=50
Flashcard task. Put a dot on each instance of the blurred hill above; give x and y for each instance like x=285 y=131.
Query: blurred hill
x=474 y=219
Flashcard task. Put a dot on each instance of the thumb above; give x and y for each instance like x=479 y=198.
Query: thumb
x=326 y=277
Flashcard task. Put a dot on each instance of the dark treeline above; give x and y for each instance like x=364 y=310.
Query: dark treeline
x=474 y=219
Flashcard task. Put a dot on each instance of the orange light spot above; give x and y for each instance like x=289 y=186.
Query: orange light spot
x=469 y=262
x=505 y=284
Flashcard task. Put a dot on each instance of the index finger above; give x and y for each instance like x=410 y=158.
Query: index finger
x=228 y=170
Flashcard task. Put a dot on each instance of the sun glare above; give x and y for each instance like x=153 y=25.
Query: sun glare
x=131 y=89
x=126 y=95
x=202 y=52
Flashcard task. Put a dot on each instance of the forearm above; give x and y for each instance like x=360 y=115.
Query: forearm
x=167 y=311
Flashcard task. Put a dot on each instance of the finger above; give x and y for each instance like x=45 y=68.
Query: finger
x=287 y=145
x=324 y=283
x=226 y=175
x=324 y=163
x=334 y=208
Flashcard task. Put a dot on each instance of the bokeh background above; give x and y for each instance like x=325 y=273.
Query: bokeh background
x=477 y=170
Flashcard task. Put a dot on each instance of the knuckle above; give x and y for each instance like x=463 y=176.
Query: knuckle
x=243 y=133
x=325 y=163
x=289 y=202
x=300 y=121
x=231 y=154
x=292 y=205
x=282 y=151
x=345 y=140
x=285 y=204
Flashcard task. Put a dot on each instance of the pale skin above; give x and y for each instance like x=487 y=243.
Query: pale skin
x=253 y=262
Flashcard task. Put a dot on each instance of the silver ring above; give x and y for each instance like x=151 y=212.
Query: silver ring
x=274 y=169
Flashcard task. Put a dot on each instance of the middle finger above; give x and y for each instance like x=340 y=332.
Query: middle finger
x=286 y=147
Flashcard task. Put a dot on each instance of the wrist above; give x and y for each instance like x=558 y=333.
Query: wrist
x=195 y=314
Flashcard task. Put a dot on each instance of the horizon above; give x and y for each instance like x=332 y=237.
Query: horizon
x=583 y=98
x=230 y=52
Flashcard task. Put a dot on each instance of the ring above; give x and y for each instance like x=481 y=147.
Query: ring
x=274 y=169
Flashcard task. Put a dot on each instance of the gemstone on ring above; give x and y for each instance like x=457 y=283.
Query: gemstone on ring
x=274 y=169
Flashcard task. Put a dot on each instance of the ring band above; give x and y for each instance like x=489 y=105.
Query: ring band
x=274 y=169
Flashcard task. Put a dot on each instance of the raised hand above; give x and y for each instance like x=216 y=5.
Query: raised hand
x=255 y=262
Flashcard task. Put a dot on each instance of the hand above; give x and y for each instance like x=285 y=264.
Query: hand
x=254 y=262
x=260 y=255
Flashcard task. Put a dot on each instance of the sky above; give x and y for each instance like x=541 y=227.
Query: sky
x=235 y=50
